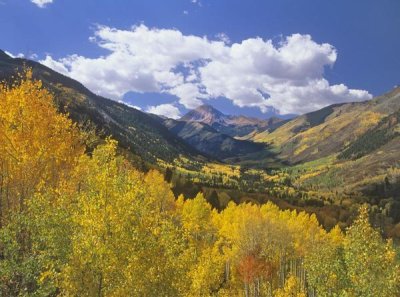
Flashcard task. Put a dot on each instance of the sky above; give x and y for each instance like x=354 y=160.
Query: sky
x=255 y=57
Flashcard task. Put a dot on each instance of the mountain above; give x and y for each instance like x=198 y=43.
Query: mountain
x=371 y=162
x=234 y=126
x=211 y=142
x=148 y=137
x=345 y=151
x=387 y=131
x=359 y=138
x=327 y=131
x=136 y=131
x=205 y=114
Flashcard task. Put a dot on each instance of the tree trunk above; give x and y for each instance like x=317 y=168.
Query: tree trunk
x=100 y=289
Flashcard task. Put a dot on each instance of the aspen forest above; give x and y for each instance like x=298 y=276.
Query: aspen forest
x=78 y=219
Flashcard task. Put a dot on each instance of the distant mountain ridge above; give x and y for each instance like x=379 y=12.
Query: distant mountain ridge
x=234 y=126
x=211 y=142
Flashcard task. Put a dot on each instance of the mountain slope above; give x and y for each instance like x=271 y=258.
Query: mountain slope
x=351 y=154
x=136 y=131
x=211 y=142
x=329 y=130
x=387 y=130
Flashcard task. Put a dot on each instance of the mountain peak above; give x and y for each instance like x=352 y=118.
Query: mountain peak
x=232 y=125
x=206 y=114
x=209 y=109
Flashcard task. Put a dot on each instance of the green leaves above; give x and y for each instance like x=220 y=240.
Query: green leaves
x=371 y=262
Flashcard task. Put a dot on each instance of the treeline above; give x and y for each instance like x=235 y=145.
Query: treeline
x=76 y=223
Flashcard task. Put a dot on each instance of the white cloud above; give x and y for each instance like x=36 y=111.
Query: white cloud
x=20 y=55
x=32 y=56
x=288 y=76
x=197 y=2
x=185 y=12
x=140 y=60
x=55 y=65
x=166 y=110
x=223 y=37
x=129 y=105
x=189 y=95
x=10 y=54
x=42 y=3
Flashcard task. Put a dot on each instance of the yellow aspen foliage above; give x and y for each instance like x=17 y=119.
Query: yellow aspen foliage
x=159 y=197
x=291 y=289
x=373 y=269
x=125 y=241
x=196 y=218
x=207 y=274
x=203 y=257
x=38 y=145
x=326 y=270
x=39 y=148
x=101 y=215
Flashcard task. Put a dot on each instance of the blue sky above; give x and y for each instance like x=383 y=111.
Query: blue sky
x=244 y=57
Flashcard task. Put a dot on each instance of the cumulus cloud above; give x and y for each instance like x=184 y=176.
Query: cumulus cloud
x=55 y=65
x=166 y=110
x=287 y=76
x=42 y=3
x=140 y=60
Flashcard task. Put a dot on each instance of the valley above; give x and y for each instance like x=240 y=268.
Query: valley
x=326 y=162
x=199 y=148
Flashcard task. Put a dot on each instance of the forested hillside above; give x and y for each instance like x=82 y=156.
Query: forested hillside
x=79 y=222
x=137 y=132
x=327 y=131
